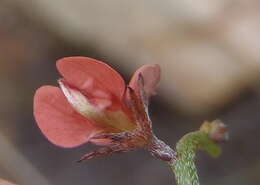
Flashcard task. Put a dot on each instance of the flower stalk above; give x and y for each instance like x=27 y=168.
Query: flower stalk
x=206 y=138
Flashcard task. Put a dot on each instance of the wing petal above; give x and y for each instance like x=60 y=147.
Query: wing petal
x=58 y=121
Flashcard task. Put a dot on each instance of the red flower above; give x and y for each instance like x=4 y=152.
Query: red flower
x=93 y=104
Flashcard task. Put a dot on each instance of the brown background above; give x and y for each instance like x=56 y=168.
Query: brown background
x=210 y=59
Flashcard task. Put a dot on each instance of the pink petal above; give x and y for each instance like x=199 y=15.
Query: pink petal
x=92 y=77
x=58 y=121
x=151 y=75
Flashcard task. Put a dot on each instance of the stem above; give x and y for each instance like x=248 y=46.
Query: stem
x=207 y=139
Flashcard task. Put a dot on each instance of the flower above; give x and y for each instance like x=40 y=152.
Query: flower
x=93 y=104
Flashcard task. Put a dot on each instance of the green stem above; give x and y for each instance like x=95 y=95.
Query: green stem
x=207 y=139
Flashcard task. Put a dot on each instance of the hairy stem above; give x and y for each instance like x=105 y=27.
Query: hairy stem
x=207 y=138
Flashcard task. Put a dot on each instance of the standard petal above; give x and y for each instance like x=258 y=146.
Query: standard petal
x=151 y=76
x=58 y=121
x=92 y=77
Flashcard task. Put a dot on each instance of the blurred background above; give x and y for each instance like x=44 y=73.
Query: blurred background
x=209 y=52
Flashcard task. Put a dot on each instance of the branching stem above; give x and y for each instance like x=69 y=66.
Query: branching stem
x=207 y=138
